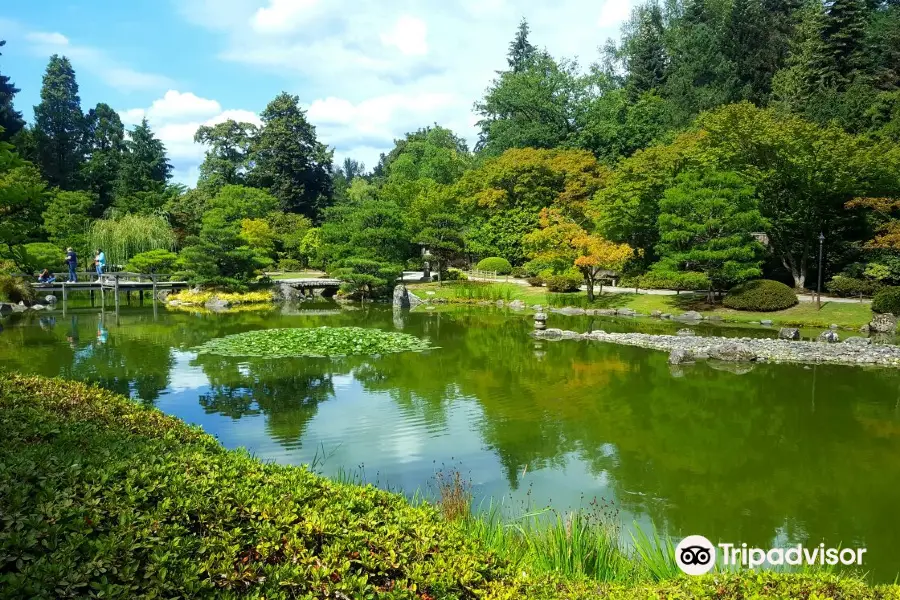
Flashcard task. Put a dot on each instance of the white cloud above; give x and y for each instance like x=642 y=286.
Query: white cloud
x=175 y=118
x=407 y=35
x=283 y=15
x=615 y=12
x=96 y=62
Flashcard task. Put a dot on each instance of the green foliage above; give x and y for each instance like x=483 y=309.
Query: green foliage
x=59 y=125
x=129 y=235
x=153 y=261
x=104 y=145
x=566 y=282
x=67 y=219
x=496 y=264
x=705 y=226
x=23 y=197
x=17 y=289
x=519 y=272
x=289 y=162
x=41 y=255
x=887 y=300
x=841 y=285
x=455 y=275
x=762 y=295
x=535 y=281
x=143 y=173
x=367 y=278
x=668 y=279
x=11 y=121
x=317 y=342
x=289 y=265
x=228 y=157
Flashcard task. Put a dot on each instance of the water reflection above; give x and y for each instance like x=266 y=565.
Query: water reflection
x=742 y=455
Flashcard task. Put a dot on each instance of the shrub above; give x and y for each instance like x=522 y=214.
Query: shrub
x=290 y=264
x=17 y=289
x=567 y=282
x=887 y=300
x=760 y=295
x=657 y=280
x=454 y=274
x=494 y=263
x=42 y=255
x=519 y=272
x=536 y=281
x=844 y=286
x=152 y=261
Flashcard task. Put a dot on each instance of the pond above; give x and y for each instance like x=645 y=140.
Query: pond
x=774 y=455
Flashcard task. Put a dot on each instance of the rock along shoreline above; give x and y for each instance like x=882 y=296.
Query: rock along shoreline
x=690 y=348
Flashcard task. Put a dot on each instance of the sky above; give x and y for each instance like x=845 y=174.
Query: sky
x=366 y=71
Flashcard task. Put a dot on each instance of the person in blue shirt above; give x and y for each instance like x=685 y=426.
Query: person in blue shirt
x=100 y=262
x=72 y=262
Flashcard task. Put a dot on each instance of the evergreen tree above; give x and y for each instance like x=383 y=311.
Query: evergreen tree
x=59 y=125
x=842 y=54
x=227 y=159
x=104 y=144
x=10 y=119
x=521 y=52
x=645 y=53
x=701 y=76
x=144 y=172
x=289 y=161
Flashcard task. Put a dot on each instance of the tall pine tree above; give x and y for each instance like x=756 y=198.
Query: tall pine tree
x=10 y=119
x=521 y=52
x=842 y=55
x=104 y=144
x=644 y=51
x=59 y=125
x=143 y=173
x=289 y=161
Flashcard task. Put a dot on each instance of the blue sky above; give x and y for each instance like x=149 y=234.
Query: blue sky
x=367 y=71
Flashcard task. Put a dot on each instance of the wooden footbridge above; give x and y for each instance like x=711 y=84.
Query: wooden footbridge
x=115 y=283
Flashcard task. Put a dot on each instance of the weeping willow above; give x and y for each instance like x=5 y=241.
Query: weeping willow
x=123 y=237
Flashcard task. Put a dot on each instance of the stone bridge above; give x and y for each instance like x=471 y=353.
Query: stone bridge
x=308 y=287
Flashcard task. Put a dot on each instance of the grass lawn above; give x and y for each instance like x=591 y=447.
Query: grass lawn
x=846 y=315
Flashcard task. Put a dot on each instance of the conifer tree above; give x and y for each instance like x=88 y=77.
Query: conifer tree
x=59 y=125
x=10 y=119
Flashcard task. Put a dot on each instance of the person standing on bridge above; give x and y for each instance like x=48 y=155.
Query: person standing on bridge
x=100 y=263
x=72 y=262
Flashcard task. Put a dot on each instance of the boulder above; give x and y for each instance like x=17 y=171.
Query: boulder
x=216 y=304
x=38 y=307
x=732 y=352
x=19 y=308
x=285 y=292
x=500 y=303
x=517 y=305
x=550 y=334
x=537 y=307
x=685 y=332
x=691 y=315
x=540 y=316
x=829 y=337
x=730 y=367
x=162 y=295
x=656 y=314
x=403 y=298
x=606 y=312
x=625 y=312
x=789 y=333
x=714 y=318
x=174 y=303
x=766 y=322
x=679 y=356
x=833 y=326
x=883 y=323
x=570 y=335
x=5 y=309
x=50 y=299
x=570 y=310
x=858 y=341
x=665 y=316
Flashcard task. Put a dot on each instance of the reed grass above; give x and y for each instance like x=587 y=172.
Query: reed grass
x=477 y=290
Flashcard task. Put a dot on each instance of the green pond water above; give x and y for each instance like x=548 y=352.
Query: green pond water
x=781 y=454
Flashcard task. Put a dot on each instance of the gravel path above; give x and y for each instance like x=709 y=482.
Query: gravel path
x=688 y=348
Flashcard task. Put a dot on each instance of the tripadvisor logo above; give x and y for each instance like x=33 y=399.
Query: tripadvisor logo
x=696 y=555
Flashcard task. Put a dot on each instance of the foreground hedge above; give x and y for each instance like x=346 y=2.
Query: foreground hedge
x=102 y=497
x=760 y=295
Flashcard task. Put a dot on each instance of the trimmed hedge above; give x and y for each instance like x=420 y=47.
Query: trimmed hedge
x=495 y=263
x=762 y=295
x=887 y=301
x=843 y=286
x=104 y=497
x=566 y=282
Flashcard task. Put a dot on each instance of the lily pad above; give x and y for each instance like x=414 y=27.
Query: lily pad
x=317 y=342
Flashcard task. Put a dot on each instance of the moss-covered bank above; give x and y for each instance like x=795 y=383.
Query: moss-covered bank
x=100 y=496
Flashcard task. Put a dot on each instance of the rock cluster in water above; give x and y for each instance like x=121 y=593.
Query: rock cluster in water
x=689 y=348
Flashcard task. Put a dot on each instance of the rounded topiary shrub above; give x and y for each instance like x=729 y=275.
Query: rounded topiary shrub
x=494 y=263
x=567 y=282
x=887 y=301
x=760 y=295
